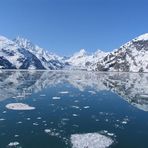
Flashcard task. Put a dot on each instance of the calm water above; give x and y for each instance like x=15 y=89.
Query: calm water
x=73 y=104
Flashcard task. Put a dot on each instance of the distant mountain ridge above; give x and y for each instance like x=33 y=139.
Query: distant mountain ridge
x=130 y=57
x=20 y=53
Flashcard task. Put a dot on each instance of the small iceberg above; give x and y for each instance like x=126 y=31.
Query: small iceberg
x=90 y=140
x=19 y=106
x=13 y=144
x=64 y=92
x=56 y=98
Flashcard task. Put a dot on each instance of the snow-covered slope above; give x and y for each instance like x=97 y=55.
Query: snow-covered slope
x=83 y=60
x=132 y=56
x=22 y=54
x=48 y=60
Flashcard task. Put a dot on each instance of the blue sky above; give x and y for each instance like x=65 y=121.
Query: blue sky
x=65 y=26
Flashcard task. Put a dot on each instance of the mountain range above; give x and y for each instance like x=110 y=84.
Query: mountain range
x=21 y=53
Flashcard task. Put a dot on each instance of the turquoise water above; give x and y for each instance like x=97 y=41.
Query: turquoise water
x=67 y=103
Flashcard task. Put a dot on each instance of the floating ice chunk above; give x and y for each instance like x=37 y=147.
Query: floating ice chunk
x=13 y=144
x=36 y=124
x=2 y=119
x=39 y=118
x=110 y=134
x=65 y=119
x=86 y=107
x=16 y=135
x=52 y=132
x=64 y=92
x=92 y=92
x=77 y=107
x=4 y=112
x=90 y=140
x=75 y=115
x=47 y=130
x=19 y=106
x=124 y=122
x=56 y=98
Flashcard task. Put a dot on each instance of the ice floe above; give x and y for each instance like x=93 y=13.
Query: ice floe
x=64 y=92
x=75 y=115
x=52 y=132
x=19 y=106
x=13 y=144
x=36 y=124
x=2 y=119
x=86 y=107
x=76 y=107
x=56 y=98
x=16 y=136
x=90 y=140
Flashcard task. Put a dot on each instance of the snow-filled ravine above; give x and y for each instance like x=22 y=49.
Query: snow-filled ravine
x=73 y=109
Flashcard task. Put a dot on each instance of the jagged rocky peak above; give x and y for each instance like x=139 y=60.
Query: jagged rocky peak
x=81 y=53
x=20 y=53
x=23 y=42
x=132 y=56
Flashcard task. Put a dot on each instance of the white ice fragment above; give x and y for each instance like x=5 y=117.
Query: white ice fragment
x=124 y=122
x=86 y=107
x=13 y=144
x=36 y=124
x=16 y=135
x=56 y=98
x=2 y=119
x=47 y=130
x=77 y=107
x=64 y=92
x=19 y=106
x=110 y=134
x=92 y=92
x=75 y=115
x=90 y=140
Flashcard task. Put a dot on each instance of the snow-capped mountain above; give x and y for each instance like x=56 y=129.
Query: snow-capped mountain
x=22 y=54
x=132 y=56
x=84 y=60
x=48 y=60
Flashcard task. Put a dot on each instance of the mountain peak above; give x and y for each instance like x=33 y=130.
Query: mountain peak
x=23 y=42
x=142 y=37
x=2 y=38
x=82 y=52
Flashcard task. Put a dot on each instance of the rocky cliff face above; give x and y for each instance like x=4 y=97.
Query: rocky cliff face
x=132 y=56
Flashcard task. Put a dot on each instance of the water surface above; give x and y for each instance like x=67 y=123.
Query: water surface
x=74 y=104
